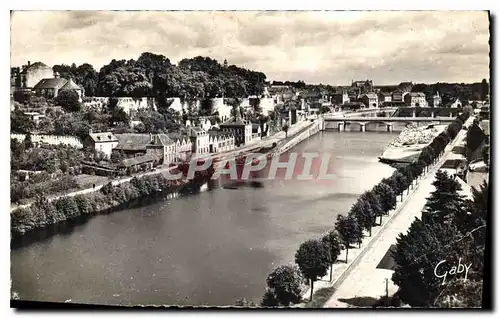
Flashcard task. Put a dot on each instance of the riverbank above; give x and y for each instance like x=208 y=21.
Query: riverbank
x=120 y=194
x=410 y=142
x=45 y=214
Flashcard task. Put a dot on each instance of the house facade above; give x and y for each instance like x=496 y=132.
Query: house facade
x=415 y=99
x=370 y=100
x=102 y=141
x=200 y=140
x=29 y=75
x=159 y=146
x=242 y=130
x=51 y=87
x=220 y=141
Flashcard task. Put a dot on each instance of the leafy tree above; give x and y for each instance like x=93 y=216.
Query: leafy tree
x=68 y=100
x=84 y=206
x=416 y=255
x=269 y=299
x=364 y=214
x=332 y=241
x=68 y=207
x=386 y=195
x=461 y=294
x=27 y=143
x=374 y=201
x=313 y=260
x=349 y=231
x=20 y=123
x=285 y=282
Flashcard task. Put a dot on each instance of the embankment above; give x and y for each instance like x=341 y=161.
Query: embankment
x=44 y=214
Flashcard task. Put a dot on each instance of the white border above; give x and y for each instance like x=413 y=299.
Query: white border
x=189 y=5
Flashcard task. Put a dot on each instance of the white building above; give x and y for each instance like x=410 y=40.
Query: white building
x=202 y=142
x=103 y=141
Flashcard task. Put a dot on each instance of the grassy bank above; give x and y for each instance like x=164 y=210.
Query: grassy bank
x=44 y=213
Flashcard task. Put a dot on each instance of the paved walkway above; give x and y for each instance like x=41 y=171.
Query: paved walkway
x=364 y=279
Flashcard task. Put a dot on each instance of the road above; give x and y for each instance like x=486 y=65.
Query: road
x=364 y=279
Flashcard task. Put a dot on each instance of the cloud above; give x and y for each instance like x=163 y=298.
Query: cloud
x=320 y=46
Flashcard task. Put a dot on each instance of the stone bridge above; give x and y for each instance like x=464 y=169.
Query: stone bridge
x=341 y=122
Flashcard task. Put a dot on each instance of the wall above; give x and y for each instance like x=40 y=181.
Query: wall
x=51 y=139
x=313 y=129
x=35 y=75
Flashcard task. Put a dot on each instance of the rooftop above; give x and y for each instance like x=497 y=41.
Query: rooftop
x=137 y=161
x=234 y=122
x=103 y=137
x=51 y=83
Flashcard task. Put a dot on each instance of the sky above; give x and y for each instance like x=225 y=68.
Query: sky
x=329 y=47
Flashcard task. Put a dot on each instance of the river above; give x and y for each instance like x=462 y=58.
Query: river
x=206 y=249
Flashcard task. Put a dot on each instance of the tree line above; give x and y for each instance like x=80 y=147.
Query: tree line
x=316 y=257
x=44 y=212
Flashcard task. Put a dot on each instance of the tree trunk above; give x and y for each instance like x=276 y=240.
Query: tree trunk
x=331 y=270
x=370 y=232
x=312 y=286
x=380 y=219
x=346 y=253
x=402 y=193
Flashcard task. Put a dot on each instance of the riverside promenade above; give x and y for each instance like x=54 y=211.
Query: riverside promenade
x=359 y=280
x=364 y=280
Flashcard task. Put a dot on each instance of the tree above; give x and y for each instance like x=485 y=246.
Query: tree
x=332 y=241
x=27 y=143
x=285 y=282
x=269 y=299
x=349 y=231
x=69 y=100
x=416 y=255
x=68 y=207
x=313 y=260
x=364 y=214
x=375 y=204
x=445 y=202
x=285 y=129
x=386 y=195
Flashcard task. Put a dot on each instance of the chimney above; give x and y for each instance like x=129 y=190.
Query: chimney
x=90 y=131
x=29 y=63
x=151 y=139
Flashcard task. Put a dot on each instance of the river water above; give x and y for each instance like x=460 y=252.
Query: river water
x=206 y=249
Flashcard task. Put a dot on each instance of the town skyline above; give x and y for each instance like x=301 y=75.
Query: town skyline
x=316 y=47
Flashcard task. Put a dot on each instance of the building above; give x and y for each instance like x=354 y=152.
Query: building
x=363 y=86
x=370 y=100
x=220 y=141
x=398 y=95
x=29 y=75
x=51 y=87
x=137 y=164
x=256 y=131
x=434 y=100
x=200 y=140
x=340 y=98
x=34 y=116
x=103 y=141
x=160 y=146
x=455 y=103
x=415 y=99
x=242 y=130
x=384 y=97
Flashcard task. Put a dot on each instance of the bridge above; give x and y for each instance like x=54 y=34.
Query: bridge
x=342 y=122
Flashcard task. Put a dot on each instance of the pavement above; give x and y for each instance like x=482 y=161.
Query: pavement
x=359 y=280
x=364 y=280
